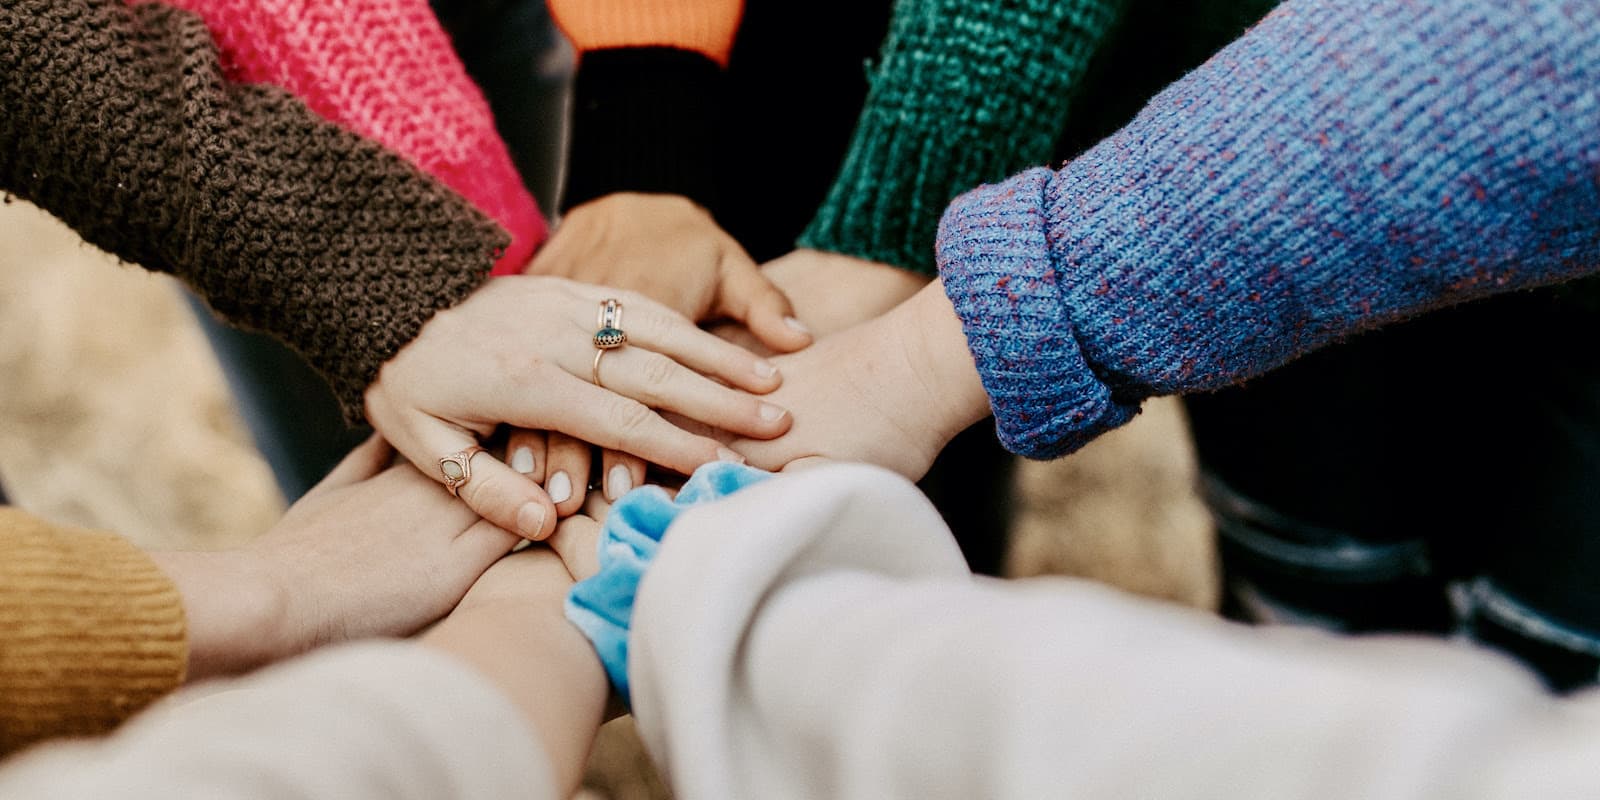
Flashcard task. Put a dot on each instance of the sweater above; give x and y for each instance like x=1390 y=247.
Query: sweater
x=384 y=69
x=120 y=122
x=1339 y=167
x=845 y=652
x=965 y=91
x=368 y=721
x=91 y=631
x=648 y=97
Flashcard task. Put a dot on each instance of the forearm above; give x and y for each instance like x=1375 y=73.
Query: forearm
x=963 y=92
x=936 y=349
x=648 y=99
x=541 y=663
x=1338 y=168
x=847 y=653
x=234 y=611
x=392 y=720
x=119 y=121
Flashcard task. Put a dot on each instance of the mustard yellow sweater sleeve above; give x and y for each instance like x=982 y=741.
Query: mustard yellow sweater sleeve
x=91 y=631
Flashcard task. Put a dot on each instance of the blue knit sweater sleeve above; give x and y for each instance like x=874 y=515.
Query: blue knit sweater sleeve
x=1341 y=166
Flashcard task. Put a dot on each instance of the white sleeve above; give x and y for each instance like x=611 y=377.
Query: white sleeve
x=818 y=636
x=389 y=721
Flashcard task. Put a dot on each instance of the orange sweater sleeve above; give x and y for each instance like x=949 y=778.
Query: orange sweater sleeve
x=91 y=631
x=701 y=26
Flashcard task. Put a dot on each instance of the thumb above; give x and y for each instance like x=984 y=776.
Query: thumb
x=747 y=295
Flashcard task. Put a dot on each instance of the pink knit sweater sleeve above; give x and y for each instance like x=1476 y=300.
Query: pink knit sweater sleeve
x=384 y=69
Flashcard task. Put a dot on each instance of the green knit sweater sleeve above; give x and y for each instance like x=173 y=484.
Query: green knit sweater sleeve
x=964 y=92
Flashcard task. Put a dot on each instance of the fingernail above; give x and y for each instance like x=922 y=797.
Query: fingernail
x=766 y=369
x=724 y=454
x=771 y=413
x=522 y=460
x=797 y=325
x=559 y=487
x=618 y=482
x=530 y=520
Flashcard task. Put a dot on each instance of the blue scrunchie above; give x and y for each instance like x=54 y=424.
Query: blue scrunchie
x=602 y=605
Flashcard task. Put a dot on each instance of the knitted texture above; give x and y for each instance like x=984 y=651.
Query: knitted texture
x=966 y=91
x=700 y=26
x=91 y=631
x=1340 y=166
x=119 y=121
x=648 y=101
x=386 y=70
x=645 y=119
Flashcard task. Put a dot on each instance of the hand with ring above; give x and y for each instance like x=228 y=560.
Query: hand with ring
x=525 y=351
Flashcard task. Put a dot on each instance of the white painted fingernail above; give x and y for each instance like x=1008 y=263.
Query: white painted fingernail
x=771 y=413
x=618 y=481
x=559 y=487
x=530 y=520
x=522 y=460
x=766 y=369
x=724 y=454
x=797 y=325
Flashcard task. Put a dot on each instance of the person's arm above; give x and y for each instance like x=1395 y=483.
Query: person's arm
x=963 y=92
x=501 y=699
x=641 y=196
x=648 y=96
x=391 y=720
x=92 y=629
x=846 y=652
x=1339 y=167
x=386 y=70
x=1336 y=169
x=120 y=122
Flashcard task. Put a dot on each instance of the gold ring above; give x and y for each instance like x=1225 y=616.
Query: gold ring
x=457 y=469
x=594 y=372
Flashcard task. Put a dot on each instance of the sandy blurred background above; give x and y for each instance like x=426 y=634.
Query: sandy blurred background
x=114 y=415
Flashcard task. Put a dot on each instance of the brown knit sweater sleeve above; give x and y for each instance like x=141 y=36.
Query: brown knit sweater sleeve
x=91 y=631
x=118 y=121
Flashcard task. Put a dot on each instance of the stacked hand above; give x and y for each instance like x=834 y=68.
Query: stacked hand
x=520 y=351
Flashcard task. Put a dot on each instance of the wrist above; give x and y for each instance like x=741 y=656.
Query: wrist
x=935 y=345
x=235 y=609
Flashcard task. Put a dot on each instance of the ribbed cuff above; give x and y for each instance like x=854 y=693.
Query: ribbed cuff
x=902 y=170
x=966 y=93
x=1000 y=274
x=91 y=631
x=645 y=120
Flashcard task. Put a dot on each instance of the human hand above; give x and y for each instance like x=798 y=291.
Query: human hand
x=671 y=250
x=892 y=391
x=372 y=550
x=832 y=291
x=520 y=351
x=665 y=247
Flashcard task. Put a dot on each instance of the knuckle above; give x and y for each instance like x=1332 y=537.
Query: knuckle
x=658 y=371
x=629 y=416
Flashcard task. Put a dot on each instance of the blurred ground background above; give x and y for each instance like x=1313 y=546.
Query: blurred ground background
x=114 y=415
